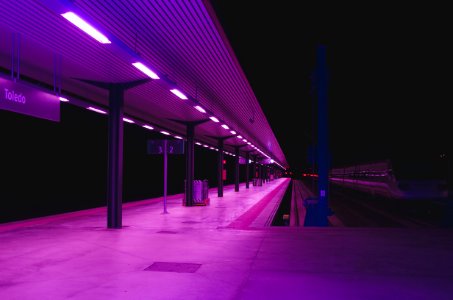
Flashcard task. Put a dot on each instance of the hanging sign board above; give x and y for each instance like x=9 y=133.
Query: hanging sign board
x=28 y=100
x=173 y=146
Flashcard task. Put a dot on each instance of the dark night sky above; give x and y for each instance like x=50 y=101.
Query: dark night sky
x=388 y=85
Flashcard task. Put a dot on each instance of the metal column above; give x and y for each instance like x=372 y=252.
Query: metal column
x=189 y=164
x=115 y=158
x=323 y=151
x=115 y=147
x=247 y=170
x=236 y=169
x=220 y=169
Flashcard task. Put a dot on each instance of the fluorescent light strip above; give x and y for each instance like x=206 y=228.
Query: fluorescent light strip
x=214 y=119
x=179 y=94
x=165 y=132
x=148 y=127
x=200 y=109
x=145 y=70
x=239 y=137
x=128 y=120
x=199 y=144
x=97 y=110
x=206 y=146
x=248 y=143
x=178 y=137
x=63 y=99
x=233 y=132
x=225 y=126
x=87 y=28
x=244 y=140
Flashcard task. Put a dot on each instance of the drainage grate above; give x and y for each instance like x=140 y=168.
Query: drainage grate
x=173 y=267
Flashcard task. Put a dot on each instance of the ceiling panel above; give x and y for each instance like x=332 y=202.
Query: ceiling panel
x=182 y=40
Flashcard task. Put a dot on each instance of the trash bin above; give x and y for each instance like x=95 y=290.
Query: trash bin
x=200 y=192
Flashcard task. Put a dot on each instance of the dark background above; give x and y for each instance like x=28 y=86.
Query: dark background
x=389 y=72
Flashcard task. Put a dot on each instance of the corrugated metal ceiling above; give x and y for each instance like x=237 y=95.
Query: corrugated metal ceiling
x=182 y=40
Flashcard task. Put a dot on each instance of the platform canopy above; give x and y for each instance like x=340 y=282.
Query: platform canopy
x=182 y=42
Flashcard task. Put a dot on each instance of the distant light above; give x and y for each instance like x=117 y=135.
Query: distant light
x=206 y=146
x=214 y=119
x=272 y=161
x=97 y=110
x=148 y=127
x=225 y=126
x=212 y=148
x=200 y=109
x=165 y=132
x=87 y=28
x=239 y=137
x=178 y=137
x=128 y=120
x=179 y=94
x=250 y=161
x=199 y=144
x=145 y=70
x=233 y=132
x=244 y=140
x=248 y=143
x=63 y=99
x=216 y=149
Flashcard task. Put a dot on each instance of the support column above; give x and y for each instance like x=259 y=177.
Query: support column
x=220 y=169
x=115 y=147
x=236 y=169
x=115 y=158
x=190 y=157
x=247 y=170
x=220 y=157
x=323 y=151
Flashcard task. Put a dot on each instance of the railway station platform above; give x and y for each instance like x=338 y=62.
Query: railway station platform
x=225 y=250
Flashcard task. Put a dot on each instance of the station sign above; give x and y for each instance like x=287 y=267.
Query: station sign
x=28 y=100
x=173 y=147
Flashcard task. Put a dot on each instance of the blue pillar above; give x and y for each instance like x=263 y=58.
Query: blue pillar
x=323 y=148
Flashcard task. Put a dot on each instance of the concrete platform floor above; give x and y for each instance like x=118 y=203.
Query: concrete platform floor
x=218 y=251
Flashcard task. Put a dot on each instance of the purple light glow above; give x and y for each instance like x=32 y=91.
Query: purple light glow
x=200 y=109
x=87 y=28
x=63 y=99
x=128 y=120
x=248 y=143
x=100 y=111
x=212 y=148
x=244 y=140
x=239 y=137
x=225 y=126
x=145 y=70
x=179 y=94
x=178 y=137
x=148 y=127
x=165 y=132
x=206 y=146
x=214 y=119
x=199 y=144
x=233 y=132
